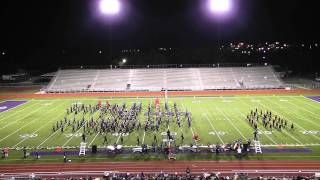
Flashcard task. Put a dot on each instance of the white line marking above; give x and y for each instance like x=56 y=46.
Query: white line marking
x=144 y=134
x=14 y=106
x=94 y=139
x=218 y=109
x=239 y=112
x=48 y=138
x=39 y=128
x=6 y=117
x=306 y=102
x=298 y=124
x=77 y=131
x=310 y=112
x=288 y=121
x=185 y=97
x=24 y=125
x=213 y=128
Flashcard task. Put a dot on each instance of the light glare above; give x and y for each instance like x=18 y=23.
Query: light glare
x=219 y=6
x=110 y=7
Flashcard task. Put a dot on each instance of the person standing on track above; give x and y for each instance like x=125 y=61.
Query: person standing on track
x=182 y=138
x=138 y=140
x=105 y=140
x=255 y=134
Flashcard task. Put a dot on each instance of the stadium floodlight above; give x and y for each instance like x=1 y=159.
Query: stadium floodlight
x=110 y=7
x=219 y=6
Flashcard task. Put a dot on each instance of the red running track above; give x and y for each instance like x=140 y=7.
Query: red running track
x=158 y=94
x=197 y=167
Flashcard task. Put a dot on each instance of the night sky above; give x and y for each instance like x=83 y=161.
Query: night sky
x=29 y=27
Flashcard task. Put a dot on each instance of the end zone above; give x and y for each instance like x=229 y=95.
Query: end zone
x=7 y=105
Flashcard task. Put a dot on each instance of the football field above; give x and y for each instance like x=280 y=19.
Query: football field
x=222 y=119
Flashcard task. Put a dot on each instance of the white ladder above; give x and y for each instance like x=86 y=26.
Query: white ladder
x=257 y=147
x=82 y=149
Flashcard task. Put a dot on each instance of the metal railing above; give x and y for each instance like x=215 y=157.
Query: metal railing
x=164 y=66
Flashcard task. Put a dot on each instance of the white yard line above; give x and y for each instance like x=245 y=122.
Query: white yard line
x=213 y=128
x=144 y=135
x=288 y=121
x=71 y=137
x=310 y=112
x=48 y=138
x=77 y=131
x=6 y=117
x=245 y=103
x=38 y=129
x=186 y=97
x=26 y=115
x=24 y=125
x=291 y=121
x=304 y=118
x=15 y=106
x=239 y=112
x=118 y=138
x=306 y=102
x=94 y=139
x=221 y=112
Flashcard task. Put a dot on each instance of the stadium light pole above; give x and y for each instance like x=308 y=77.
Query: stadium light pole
x=219 y=10
x=110 y=9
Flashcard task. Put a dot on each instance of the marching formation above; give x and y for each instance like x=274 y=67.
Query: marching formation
x=118 y=119
x=268 y=120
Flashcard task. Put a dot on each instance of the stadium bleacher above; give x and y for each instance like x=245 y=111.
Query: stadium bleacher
x=99 y=80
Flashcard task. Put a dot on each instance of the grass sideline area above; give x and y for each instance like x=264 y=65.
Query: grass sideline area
x=219 y=119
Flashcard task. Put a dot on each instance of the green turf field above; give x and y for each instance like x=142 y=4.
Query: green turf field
x=215 y=119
